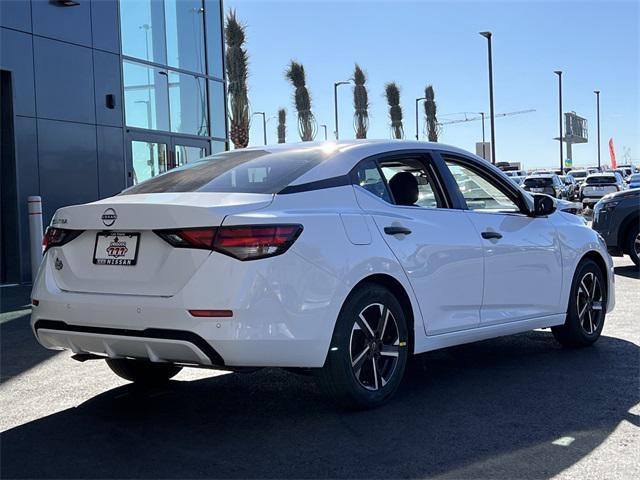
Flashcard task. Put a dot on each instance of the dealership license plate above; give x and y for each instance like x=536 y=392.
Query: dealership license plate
x=116 y=248
x=537 y=190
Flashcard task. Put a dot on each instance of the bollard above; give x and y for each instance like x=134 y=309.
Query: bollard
x=35 y=234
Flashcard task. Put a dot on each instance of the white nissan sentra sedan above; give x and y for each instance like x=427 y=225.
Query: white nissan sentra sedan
x=340 y=258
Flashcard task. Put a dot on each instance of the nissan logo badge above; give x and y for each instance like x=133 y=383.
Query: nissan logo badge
x=109 y=217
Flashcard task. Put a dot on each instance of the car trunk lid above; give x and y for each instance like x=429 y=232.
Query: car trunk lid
x=118 y=251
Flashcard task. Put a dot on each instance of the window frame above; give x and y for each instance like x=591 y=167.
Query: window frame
x=428 y=162
x=502 y=184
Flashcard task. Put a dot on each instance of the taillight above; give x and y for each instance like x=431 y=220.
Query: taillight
x=56 y=237
x=250 y=242
x=189 y=237
x=244 y=242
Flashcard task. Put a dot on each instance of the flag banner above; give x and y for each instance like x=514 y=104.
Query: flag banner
x=612 y=154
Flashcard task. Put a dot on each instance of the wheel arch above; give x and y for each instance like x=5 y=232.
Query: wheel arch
x=399 y=291
x=624 y=230
x=602 y=264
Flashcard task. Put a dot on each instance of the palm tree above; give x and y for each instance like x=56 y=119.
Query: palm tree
x=360 y=103
x=430 y=113
x=395 y=110
x=282 y=126
x=302 y=100
x=237 y=72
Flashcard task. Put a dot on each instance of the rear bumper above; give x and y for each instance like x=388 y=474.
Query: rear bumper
x=276 y=322
x=156 y=345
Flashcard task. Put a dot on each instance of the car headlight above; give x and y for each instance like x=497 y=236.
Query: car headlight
x=606 y=206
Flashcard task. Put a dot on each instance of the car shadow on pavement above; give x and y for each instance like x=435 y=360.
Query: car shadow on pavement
x=490 y=409
x=630 y=271
x=19 y=349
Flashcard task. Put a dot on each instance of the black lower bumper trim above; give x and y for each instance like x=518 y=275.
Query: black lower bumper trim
x=156 y=333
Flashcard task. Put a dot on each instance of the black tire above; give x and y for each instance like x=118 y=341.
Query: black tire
x=632 y=244
x=364 y=366
x=587 y=307
x=143 y=371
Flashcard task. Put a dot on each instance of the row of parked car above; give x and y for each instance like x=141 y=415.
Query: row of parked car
x=614 y=196
x=586 y=186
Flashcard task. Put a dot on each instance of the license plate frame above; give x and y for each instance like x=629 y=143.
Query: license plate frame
x=118 y=257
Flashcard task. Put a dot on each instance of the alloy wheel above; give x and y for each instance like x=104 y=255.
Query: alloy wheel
x=636 y=244
x=590 y=303
x=374 y=346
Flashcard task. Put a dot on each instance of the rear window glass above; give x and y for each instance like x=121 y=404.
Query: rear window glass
x=244 y=171
x=578 y=173
x=538 y=182
x=601 y=180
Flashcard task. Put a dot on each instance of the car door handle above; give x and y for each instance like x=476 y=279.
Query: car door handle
x=394 y=230
x=491 y=235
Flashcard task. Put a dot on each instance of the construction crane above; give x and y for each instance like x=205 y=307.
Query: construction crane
x=481 y=117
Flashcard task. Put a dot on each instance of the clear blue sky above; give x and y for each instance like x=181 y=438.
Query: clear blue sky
x=415 y=43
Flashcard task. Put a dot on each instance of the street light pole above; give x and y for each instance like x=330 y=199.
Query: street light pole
x=597 y=92
x=325 y=131
x=335 y=102
x=264 y=126
x=559 y=73
x=484 y=153
x=417 y=130
x=487 y=35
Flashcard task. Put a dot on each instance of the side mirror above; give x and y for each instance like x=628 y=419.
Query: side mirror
x=543 y=205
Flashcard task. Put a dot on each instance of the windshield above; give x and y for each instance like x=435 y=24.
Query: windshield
x=240 y=171
x=538 y=182
x=601 y=180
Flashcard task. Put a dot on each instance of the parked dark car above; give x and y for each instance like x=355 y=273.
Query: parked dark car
x=598 y=185
x=571 y=187
x=617 y=218
x=549 y=184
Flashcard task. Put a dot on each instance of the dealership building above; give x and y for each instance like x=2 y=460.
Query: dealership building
x=97 y=95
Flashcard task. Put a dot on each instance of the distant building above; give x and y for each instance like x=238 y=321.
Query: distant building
x=97 y=95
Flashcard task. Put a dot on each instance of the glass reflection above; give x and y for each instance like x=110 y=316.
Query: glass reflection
x=217 y=110
x=142 y=30
x=145 y=97
x=185 y=34
x=187 y=100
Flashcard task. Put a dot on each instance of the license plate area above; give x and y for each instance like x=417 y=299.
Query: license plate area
x=116 y=248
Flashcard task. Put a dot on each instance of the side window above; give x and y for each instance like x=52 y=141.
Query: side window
x=403 y=191
x=368 y=177
x=479 y=193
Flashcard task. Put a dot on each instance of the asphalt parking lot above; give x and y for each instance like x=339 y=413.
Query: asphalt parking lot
x=514 y=407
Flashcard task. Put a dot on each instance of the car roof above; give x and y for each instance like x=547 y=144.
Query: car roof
x=343 y=155
x=602 y=174
x=542 y=175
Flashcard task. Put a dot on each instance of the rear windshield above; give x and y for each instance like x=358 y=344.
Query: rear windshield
x=538 y=182
x=578 y=173
x=601 y=180
x=243 y=171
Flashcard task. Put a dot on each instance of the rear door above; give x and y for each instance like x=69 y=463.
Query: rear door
x=437 y=247
x=523 y=266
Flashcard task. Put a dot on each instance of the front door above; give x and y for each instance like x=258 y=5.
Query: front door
x=150 y=154
x=437 y=246
x=523 y=265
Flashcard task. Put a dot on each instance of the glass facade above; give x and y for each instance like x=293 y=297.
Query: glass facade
x=172 y=71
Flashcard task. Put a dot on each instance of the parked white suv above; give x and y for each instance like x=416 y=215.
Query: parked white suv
x=597 y=185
